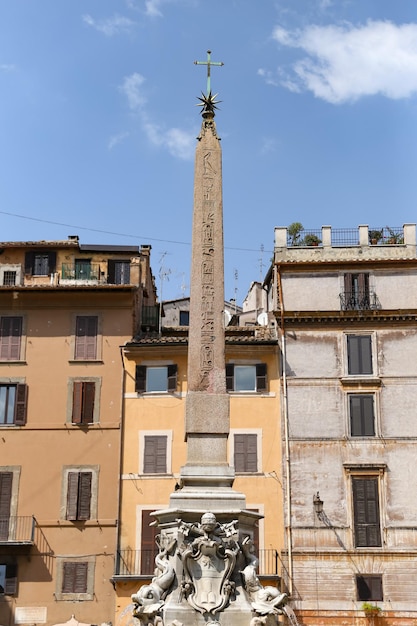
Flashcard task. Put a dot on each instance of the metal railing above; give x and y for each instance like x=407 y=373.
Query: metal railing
x=150 y=317
x=71 y=271
x=362 y=300
x=17 y=529
x=142 y=562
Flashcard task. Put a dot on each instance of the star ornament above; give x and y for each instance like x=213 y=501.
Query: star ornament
x=208 y=102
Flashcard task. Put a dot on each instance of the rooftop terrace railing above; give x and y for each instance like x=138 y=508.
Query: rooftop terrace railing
x=296 y=236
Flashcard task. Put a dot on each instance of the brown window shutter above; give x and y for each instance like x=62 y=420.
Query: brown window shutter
x=80 y=582
x=74 y=577
x=20 y=409
x=245 y=453
x=72 y=495
x=148 y=544
x=366 y=512
x=229 y=377
x=261 y=380
x=140 y=379
x=172 y=378
x=77 y=402
x=89 y=389
x=6 y=482
x=155 y=454
x=84 y=495
x=86 y=337
x=10 y=338
x=10 y=586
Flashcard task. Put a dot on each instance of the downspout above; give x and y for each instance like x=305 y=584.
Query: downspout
x=288 y=527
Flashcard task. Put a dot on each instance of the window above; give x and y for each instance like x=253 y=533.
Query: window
x=369 y=587
x=148 y=544
x=75 y=579
x=13 y=403
x=83 y=269
x=155 y=454
x=79 y=496
x=356 y=292
x=9 y=278
x=84 y=393
x=359 y=348
x=10 y=338
x=40 y=263
x=184 y=318
x=156 y=379
x=366 y=512
x=246 y=377
x=8 y=579
x=86 y=329
x=245 y=453
x=361 y=410
x=118 y=272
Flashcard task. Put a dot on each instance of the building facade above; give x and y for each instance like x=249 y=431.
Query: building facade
x=155 y=450
x=65 y=310
x=346 y=309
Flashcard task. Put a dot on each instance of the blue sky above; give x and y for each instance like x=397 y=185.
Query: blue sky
x=98 y=121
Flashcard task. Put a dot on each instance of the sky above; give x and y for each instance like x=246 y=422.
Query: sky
x=98 y=122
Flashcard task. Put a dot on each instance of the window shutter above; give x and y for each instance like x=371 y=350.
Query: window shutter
x=10 y=586
x=245 y=453
x=140 y=379
x=86 y=337
x=89 y=389
x=77 y=402
x=6 y=482
x=111 y=272
x=362 y=415
x=229 y=377
x=20 y=408
x=261 y=377
x=148 y=544
x=155 y=453
x=366 y=512
x=348 y=287
x=72 y=495
x=74 y=577
x=29 y=262
x=172 y=378
x=10 y=336
x=52 y=261
x=84 y=495
x=359 y=354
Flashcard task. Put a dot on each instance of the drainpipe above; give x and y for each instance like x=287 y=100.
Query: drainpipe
x=288 y=527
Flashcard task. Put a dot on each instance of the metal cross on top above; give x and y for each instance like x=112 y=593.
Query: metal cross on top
x=209 y=63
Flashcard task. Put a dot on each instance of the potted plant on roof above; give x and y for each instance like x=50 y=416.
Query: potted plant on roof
x=394 y=237
x=311 y=240
x=375 y=236
x=371 y=610
x=294 y=231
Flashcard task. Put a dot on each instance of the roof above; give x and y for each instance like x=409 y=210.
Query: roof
x=71 y=243
x=255 y=335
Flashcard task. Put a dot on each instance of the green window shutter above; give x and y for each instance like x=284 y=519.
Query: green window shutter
x=140 y=379
x=20 y=409
x=172 y=378
x=261 y=379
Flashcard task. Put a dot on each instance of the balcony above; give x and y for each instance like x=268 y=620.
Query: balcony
x=359 y=301
x=17 y=531
x=80 y=273
x=140 y=563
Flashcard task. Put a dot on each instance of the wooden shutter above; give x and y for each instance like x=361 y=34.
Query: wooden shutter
x=366 y=512
x=10 y=585
x=245 y=453
x=77 y=402
x=52 y=261
x=6 y=483
x=261 y=379
x=362 y=415
x=84 y=495
x=148 y=544
x=172 y=378
x=111 y=272
x=83 y=402
x=74 y=577
x=72 y=495
x=29 y=262
x=20 y=407
x=140 y=379
x=230 y=377
x=86 y=337
x=155 y=454
x=359 y=354
x=10 y=338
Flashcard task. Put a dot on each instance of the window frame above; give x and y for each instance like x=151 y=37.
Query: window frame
x=184 y=313
x=246 y=431
x=143 y=434
x=65 y=490
x=75 y=346
x=365 y=471
x=361 y=396
x=88 y=594
x=72 y=384
x=356 y=301
x=32 y=258
x=368 y=580
x=360 y=337
x=18 y=349
x=116 y=277
x=10 y=579
x=20 y=401
x=261 y=378
x=141 y=378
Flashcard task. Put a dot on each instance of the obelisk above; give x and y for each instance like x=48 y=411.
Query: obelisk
x=207 y=421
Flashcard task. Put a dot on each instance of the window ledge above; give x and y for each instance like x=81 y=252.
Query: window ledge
x=372 y=381
x=72 y=361
x=17 y=362
x=252 y=394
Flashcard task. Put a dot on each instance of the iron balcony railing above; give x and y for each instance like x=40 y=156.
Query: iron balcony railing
x=359 y=300
x=15 y=530
x=142 y=563
x=83 y=271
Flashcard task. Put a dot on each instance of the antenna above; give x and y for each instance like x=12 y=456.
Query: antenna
x=236 y=288
x=261 y=263
x=163 y=275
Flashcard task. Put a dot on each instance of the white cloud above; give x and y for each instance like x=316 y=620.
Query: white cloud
x=152 y=8
x=111 y=25
x=346 y=62
x=179 y=143
x=7 y=67
x=116 y=139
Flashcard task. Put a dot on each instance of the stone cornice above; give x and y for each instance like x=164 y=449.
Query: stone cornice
x=334 y=318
